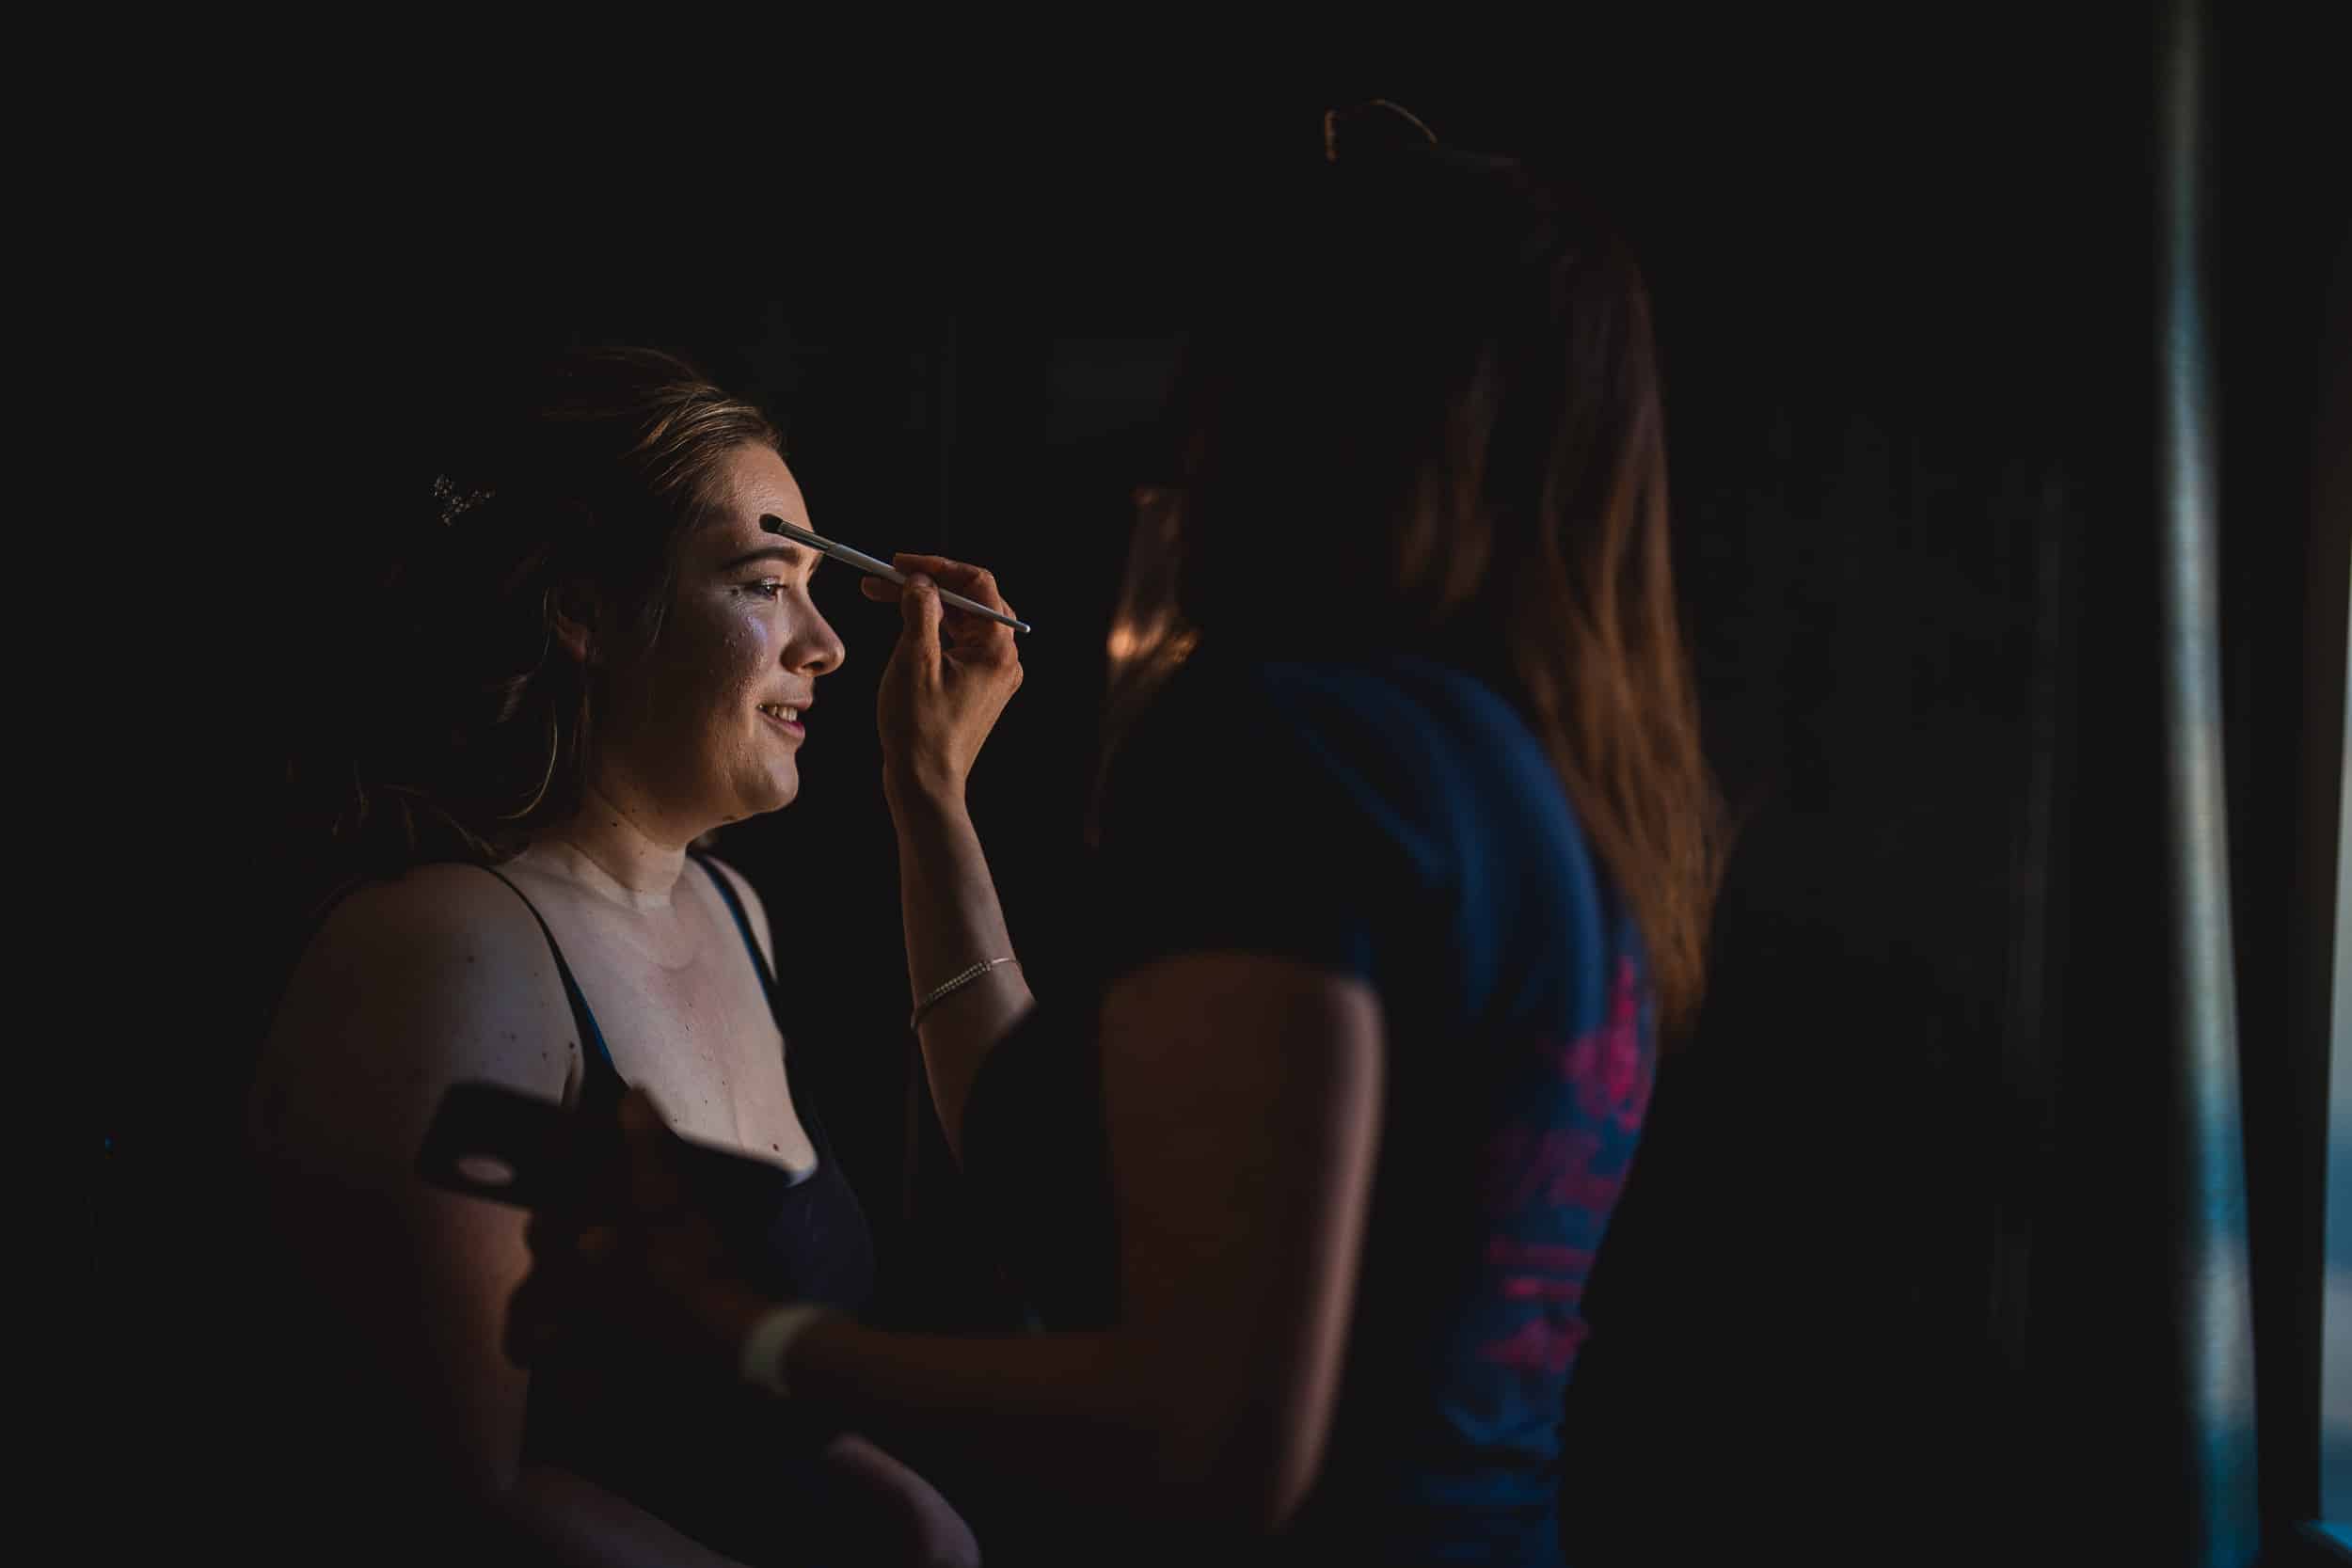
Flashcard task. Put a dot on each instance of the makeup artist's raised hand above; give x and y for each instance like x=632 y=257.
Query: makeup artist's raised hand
x=938 y=702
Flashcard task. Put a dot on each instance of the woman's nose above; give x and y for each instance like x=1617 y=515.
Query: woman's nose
x=821 y=652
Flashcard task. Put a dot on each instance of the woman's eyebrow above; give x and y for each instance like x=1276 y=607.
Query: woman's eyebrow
x=791 y=555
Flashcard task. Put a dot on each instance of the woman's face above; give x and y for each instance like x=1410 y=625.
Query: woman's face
x=711 y=727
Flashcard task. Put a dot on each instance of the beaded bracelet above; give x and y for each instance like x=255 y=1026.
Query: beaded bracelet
x=957 y=983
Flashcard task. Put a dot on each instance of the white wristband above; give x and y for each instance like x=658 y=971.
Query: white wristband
x=762 y=1365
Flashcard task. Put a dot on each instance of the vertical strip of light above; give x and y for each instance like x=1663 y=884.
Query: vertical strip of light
x=2212 y=1295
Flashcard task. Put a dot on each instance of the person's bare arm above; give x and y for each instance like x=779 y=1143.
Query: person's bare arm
x=412 y=986
x=587 y=1527
x=883 y=1513
x=949 y=905
x=936 y=708
x=1243 y=1097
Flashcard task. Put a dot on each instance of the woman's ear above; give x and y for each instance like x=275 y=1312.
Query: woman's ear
x=576 y=612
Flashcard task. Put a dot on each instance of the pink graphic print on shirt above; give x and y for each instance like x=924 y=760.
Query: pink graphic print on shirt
x=1581 y=1169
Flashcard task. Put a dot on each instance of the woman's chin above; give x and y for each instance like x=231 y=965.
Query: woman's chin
x=773 y=794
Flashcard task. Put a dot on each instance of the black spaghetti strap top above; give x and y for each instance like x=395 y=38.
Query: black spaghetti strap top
x=728 y=1468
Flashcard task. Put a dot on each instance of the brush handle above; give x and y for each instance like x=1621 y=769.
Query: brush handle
x=882 y=569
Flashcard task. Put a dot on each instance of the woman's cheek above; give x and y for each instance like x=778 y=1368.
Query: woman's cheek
x=753 y=634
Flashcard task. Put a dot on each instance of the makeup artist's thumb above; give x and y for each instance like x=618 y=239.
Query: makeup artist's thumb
x=919 y=611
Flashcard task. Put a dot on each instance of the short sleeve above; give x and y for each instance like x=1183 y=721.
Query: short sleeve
x=1277 y=808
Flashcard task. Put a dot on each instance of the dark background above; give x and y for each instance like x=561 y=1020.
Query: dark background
x=1890 y=1270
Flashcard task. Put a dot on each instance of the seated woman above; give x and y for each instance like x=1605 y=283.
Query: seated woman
x=1408 y=864
x=607 y=659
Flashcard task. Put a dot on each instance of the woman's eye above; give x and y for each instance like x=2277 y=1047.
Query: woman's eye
x=772 y=588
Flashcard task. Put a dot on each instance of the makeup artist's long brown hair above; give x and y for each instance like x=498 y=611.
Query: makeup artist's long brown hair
x=1425 y=412
x=466 y=727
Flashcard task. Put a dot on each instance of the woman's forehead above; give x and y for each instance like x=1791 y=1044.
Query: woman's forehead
x=757 y=479
x=759 y=485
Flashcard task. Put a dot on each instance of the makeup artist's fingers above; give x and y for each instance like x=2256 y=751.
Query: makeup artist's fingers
x=976 y=583
x=919 y=615
x=938 y=700
x=976 y=636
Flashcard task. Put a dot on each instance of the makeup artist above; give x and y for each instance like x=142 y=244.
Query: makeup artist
x=594 y=656
x=1408 y=850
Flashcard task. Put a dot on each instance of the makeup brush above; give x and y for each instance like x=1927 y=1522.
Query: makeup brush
x=882 y=569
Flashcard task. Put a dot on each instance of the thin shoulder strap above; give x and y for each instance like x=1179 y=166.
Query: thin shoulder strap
x=760 y=965
x=742 y=923
x=588 y=1034
x=801 y=1103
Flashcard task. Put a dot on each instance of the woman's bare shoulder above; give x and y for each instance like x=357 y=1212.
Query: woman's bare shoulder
x=458 y=922
x=449 y=893
x=409 y=985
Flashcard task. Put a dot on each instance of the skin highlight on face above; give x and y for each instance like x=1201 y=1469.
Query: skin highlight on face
x=694 y=735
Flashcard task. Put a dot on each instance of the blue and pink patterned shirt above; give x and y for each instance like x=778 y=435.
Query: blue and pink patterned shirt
x=1394 y=819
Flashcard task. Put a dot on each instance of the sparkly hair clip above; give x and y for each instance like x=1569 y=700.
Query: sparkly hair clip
x=455 y=502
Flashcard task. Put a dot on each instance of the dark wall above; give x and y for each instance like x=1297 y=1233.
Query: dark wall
x=1904 y=320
